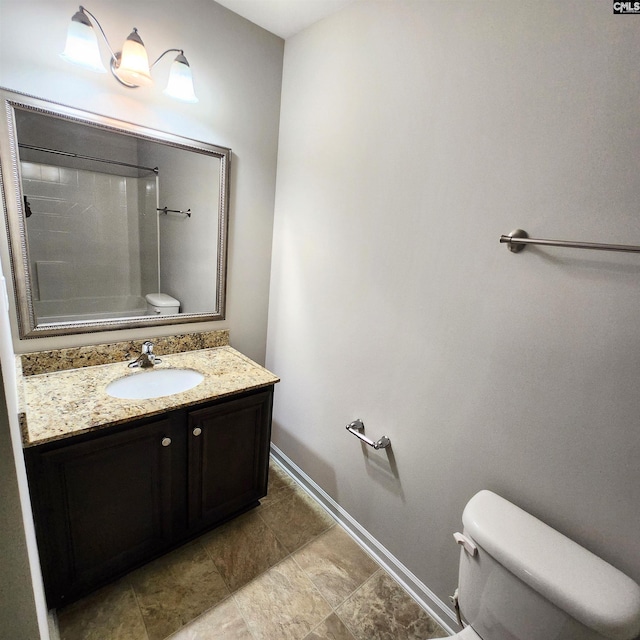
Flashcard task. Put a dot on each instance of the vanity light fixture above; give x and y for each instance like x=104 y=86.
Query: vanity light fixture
x=130 y=66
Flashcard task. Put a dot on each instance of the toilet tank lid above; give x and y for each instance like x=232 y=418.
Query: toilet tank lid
x=574 y=579
x=161 y=300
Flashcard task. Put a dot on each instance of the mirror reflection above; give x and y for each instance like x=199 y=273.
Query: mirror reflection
x=113 y=225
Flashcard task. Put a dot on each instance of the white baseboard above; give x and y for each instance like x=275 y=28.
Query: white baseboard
x=428 y=600
x=52 y=619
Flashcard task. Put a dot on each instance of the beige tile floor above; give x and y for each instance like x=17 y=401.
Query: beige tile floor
x=283 y=571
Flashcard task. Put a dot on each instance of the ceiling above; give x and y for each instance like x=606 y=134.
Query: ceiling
x=284 y=17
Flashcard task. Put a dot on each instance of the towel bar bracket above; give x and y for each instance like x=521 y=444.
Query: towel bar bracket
x=516 y=233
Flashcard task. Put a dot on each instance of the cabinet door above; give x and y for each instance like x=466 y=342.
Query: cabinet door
x=102 y=506
x=228 y=457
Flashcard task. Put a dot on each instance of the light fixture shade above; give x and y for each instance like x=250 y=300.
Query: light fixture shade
x=180 y=84
x=134 y=62
x=82 y=44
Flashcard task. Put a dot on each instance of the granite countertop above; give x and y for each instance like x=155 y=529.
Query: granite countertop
x=60 y=404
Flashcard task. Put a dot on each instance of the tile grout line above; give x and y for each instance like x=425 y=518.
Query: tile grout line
x=232 y=592
x=353 y=593
x=194 y=542
x=290 y=555
x=298 y=488
x=213 y=562
x=244 y=618
x=419 y=592
x=135 y=597
x=381 y=567
x=334 y=610
x=227 y=597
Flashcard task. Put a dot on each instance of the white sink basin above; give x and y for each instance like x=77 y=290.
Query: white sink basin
x=154 y=384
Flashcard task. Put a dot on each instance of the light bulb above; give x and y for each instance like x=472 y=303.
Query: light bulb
x=133 y=67
x=81 y=47
x=180 y=84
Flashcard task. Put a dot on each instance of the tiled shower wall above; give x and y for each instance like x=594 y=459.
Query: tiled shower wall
x=88 y=243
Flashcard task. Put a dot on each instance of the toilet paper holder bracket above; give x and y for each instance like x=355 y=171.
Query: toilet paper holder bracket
x=357 y=427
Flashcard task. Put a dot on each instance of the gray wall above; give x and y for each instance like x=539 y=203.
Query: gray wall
x=237 y=71
x=413 y=134
x=17 y=601
x=23 y=612
x=188 y=248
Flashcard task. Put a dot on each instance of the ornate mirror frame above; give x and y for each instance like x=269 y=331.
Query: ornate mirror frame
x=15 y=216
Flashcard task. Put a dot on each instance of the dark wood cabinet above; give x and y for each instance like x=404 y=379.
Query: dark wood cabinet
x=227 y=465
x=108 y=501
x=102 y=503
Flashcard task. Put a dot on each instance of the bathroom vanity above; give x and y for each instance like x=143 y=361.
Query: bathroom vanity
x=115 y=483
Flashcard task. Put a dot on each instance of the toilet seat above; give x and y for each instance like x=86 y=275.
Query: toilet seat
x=466 y=634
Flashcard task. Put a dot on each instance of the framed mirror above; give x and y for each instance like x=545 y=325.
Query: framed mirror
x=110 y=225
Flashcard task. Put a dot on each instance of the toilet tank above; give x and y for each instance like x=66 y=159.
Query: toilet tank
x=527 y=581
x=162 y=304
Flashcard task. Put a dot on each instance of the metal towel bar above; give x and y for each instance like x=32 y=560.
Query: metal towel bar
x=166 y=211
x=517 y=240
x=357 y=426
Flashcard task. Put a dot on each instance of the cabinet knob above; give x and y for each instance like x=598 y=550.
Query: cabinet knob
x=166 y=442
x=197 y=431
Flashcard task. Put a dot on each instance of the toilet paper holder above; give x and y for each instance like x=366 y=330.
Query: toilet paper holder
x=357 y=427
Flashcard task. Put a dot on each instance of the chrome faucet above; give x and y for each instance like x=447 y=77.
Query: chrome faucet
x=146 y=358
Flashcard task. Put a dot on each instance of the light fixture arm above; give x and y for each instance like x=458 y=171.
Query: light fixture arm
x=104 y=35
x=116 y=61
x=163 y=54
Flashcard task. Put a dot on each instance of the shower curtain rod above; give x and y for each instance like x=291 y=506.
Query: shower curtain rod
x=517 y=240
x=81 y=157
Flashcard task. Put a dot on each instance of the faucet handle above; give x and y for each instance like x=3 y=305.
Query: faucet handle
x=147 y=350
x=146 y=357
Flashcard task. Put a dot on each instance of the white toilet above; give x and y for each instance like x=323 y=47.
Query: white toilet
x=161 y=304
x=520 y=579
